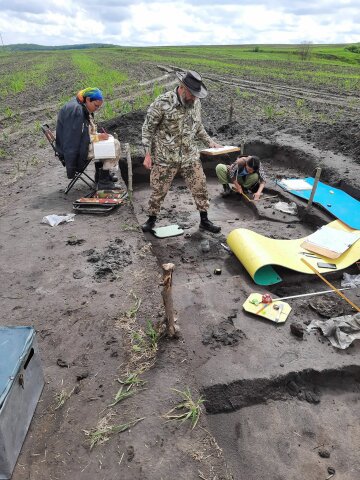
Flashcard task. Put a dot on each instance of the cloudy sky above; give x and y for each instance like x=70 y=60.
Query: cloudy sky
x=188 y=22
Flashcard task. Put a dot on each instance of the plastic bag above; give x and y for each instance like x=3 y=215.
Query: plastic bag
x=341 y=331
x=54 y=220
x=290 y=208
x=350 y=280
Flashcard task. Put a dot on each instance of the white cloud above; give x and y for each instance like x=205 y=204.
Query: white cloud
x=204 y=22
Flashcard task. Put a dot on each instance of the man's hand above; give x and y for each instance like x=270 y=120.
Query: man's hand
x=213 y=144
x=147 y=161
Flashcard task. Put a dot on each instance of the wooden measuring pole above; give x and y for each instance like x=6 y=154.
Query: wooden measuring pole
x=130 y=173
x=330 y=284
x=316 y=181
x=247 y=198
x=242 y=148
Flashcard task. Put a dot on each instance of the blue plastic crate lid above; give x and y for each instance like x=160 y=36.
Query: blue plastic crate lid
x=14 y=346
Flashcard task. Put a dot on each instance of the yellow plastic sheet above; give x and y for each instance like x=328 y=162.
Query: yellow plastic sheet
x=258 y=253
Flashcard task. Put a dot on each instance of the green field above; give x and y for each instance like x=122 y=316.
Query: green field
x=327 y=65
x=276 y=83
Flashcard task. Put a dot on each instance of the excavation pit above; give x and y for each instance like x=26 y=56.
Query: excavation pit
x=244 y=365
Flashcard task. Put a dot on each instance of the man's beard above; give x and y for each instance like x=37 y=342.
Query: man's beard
x=186 y=103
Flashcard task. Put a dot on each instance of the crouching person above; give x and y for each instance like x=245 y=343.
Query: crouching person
x=76 y=133
x=245 y=174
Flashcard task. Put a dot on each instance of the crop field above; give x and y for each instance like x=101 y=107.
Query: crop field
x=276 y=85
x=335 y=68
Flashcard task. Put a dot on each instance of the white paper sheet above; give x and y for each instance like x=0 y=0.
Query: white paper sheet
x=222 y=149
x=104 y=149
x=332 y=239
x=296 y=184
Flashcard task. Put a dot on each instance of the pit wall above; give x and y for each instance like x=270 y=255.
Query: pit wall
x=335 y=169
x=222 y=398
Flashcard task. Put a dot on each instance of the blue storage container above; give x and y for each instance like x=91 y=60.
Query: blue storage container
x=21 y=383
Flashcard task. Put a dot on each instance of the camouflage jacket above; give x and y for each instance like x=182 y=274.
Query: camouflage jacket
x=170 y=131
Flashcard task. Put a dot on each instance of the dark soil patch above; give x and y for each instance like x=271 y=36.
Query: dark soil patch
x=111 y=262
x=327 y=307
x=223 y=334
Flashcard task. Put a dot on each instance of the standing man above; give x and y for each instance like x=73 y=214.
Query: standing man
x=76 y=132
x=172 y=125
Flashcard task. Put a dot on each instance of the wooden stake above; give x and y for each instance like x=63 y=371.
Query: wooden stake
x=269 y=197
x=330 y=284
x=130 y=173
x=316 y=181
x=171 y=329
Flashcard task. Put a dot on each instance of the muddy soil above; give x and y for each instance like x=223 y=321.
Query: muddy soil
x=92 y=290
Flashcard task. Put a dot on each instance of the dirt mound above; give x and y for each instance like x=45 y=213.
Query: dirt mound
x=342 y=137
x=127 y=127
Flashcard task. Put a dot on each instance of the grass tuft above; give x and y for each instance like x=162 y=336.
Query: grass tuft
x=128 y=385
x=131 y=313
x=190 y=409
x=103 y=430
x=62 y=397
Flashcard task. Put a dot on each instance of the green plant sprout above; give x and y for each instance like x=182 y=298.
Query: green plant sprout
x=191 y=409
x=131 y=313
x=62 y=397
x=128 y=385
x=102 y=432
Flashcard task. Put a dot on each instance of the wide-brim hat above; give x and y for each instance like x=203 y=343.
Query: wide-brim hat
x=192 y=81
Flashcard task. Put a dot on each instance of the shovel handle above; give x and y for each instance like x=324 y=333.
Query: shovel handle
x=330 y=284
x=247 y=198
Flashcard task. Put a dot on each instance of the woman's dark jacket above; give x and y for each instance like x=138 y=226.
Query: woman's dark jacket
x=72 y=136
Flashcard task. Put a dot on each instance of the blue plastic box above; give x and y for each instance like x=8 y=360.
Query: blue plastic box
x=21 y=383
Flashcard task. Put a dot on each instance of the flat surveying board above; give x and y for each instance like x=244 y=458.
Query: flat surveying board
x=335 y=201
x=275 y=311
x=168 y=231
x=220 y=150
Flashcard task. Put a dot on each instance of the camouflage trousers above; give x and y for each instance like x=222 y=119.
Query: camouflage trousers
x=161 y=178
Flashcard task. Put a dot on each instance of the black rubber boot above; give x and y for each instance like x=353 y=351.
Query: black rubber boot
x=105 y=182
x=206 y=224
x=98 y=165
x=227 y=190
x=149 y=225
x=114 y=178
